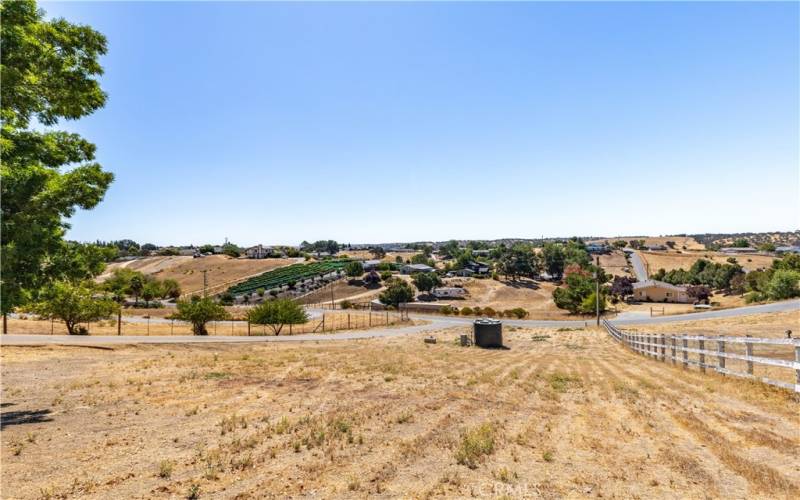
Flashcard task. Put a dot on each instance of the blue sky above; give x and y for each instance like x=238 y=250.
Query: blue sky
x=274 y=123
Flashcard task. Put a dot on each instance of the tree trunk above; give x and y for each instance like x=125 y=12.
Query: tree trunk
x=119 y=321
x=5 y=323
x=70 y=327
x=199 y=329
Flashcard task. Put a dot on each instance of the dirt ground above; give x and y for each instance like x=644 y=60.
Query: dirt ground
x=558 y=414
x=342 y=290
x=223 y=271
x=672 y=260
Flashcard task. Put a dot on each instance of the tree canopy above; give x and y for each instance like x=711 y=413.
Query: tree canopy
x=49 y=70
x=397 y=292
x=198 y=312
x=426 y=282
x=73 y=303
x=277 y=313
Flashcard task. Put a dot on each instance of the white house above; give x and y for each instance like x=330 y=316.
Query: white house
x=449 y=292
x=257 y=252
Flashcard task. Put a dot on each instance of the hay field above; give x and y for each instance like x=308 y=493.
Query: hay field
x=558 y=414
x=671 y=260
x=222 y=271
x=615 y=264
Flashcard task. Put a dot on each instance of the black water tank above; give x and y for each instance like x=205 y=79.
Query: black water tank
x=488 y=332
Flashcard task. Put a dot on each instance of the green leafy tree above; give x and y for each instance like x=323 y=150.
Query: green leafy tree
x=171 y=289
x=73 y=303
x=554 y=259
x=119 y=285
x=741 y=243
x=231 y=250
x=277 y=313
x=426 y=282
x=151 y=290
x=397 y=292
x=784 y=284
x=199 y=312
x=789 y=262
x=49 y=71
x=206 y=249
x=354 y=269
x=421 y=258
x=377 y=252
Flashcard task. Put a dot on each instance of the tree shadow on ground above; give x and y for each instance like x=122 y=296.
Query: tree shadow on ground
x=532 y=285
x=24 y=417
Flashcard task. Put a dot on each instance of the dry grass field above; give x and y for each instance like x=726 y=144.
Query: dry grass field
x=680 y=241
x=558 y=414
x=615 y=264
x=342 y=290
x=222 y=271
x=535 y=297
x=671 y=260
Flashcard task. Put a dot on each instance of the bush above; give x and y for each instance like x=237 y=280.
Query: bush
x=446 y=310
x=751 y=297
x=386 y=275
x=488 y=311
x=346 y=304
x=517 y=312
x=466 y=311
x=475 y=443
x=477 y=311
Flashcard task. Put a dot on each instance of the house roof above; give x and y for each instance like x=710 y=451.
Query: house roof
x=420 y=267
x=372 y=262
x=658 y=284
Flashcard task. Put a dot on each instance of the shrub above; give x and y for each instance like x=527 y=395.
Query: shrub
x=346 y=304
x=488 y=311
x=751 y=297
x=446 y=310
x=466 y=311
x=386 y=275
x=477 y=311
x=475 y=444
x=517 y=312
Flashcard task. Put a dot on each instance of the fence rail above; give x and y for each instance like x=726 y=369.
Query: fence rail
x=676 y=349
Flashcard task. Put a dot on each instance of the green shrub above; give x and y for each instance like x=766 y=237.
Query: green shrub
x=446 y=310
x=517 y=312
x=386 y=275
x=346 y=304
x=466 y=311
x=475 y=444
x=488 y=311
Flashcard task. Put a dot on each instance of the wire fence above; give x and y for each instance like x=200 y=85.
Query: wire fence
x=151 y=326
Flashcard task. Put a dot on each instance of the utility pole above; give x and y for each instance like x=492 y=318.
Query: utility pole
x=597 y=289
x=205 y=284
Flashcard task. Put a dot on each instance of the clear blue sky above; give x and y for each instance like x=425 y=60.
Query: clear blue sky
x=275 y=123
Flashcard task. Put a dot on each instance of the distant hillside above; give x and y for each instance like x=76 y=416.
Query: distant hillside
x=778 y=238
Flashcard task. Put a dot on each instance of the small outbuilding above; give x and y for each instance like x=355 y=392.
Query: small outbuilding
x=416 y=268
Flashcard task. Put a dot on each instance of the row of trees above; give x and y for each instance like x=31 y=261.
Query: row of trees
x=781 y=281
x=716 y=275
x=273 y=313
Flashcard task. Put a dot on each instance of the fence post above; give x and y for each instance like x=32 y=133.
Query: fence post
x=672 y=350
x=248 y=327
x=348 y=321
x=387 y=317
x=172 y=327
x=721 y=355
x=663 y=348
x=797 y=360
x=702 y=347
x=323 y=322
x=749 y=352
x=685 y=354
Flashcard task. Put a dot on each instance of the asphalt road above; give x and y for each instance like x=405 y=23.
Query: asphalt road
x=639 y=269
x=433 y=323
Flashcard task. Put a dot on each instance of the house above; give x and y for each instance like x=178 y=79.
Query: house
x=738 y=250
x=655 y=248
x=789 y=249
x=597 y=248
x=449 y=293
x=257 y=252
x=659 y=291
x=416 y=268
x=371 y=264
x=477 y=267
